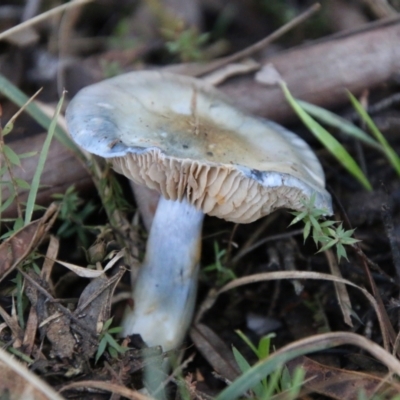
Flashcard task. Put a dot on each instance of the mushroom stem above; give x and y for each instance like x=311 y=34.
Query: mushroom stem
x=165 y=289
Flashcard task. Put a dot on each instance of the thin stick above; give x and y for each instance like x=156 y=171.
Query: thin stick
x=381 y=8
x=262 y=43
x=41 y=17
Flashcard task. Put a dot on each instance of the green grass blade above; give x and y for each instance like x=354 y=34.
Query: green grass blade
x=331 y=119
x=30 y=204
x=11 y=155
x=100 y=349
x=8 y=202
x=337 y=150
x=19 y=98
x=273 y=384
x=247 y=341
x=20 y=305
x=296 y=383
x=264 y=346
x=265 y=367
x=244 y=366
x=390 y=153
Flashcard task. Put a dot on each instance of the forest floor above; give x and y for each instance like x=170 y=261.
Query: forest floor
x=275 y=317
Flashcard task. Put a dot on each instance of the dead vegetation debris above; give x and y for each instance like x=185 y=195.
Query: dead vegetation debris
x=63 y=280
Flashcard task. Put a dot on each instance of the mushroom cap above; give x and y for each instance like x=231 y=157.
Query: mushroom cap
x=182 y=137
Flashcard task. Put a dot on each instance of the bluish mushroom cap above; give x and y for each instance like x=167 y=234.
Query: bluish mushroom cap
x=182 y=137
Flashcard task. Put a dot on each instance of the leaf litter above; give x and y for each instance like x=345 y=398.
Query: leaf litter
x=61 y=334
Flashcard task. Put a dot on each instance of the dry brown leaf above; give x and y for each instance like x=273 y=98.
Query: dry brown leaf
x=338 y=383
x=57 y=329
x=95 y=306
x=17 y=382
x=51 y=254
x=30 y=332
x=16 y=248
x=108 y=387
x=12 y=323
x=84 y=272
x=116 y=257
x=215 y=351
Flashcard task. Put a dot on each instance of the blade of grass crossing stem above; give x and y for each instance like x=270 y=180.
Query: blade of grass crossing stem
x=390 y=153
x=327 y=140
x=19 y=98
x=331 y=119
x=30 y=204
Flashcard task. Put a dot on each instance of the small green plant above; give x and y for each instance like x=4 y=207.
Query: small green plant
x=278 y=381
x=107 y=342
x=110 y=68
x=183 y=41
x=111 y=192
x=326 y=233
x=224 y=274
x=121 y=38
x=73 y=215
x=187 y=44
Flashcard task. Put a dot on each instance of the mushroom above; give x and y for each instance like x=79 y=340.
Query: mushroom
x=183 y=138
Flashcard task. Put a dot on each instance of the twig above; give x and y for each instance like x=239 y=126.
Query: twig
x=373 y=265
x=262 y=43
x=41 y=17
x=263 y=241
x=381 y=8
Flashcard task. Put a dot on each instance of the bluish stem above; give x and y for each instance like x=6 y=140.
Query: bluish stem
x=165 y=290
